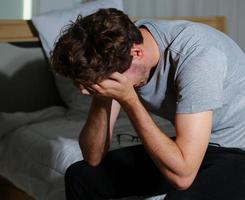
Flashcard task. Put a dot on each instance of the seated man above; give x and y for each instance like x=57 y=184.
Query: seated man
x=188 y=73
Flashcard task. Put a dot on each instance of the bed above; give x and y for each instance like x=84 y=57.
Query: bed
x=39 y=129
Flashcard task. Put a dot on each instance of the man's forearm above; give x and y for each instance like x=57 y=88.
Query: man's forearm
x=95 y=136
x=163 y=150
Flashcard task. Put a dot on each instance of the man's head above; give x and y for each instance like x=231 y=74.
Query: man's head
x=93 y=47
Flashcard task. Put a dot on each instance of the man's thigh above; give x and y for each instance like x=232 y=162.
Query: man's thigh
x=132 y=172
x=221 y=177
x=124 y=172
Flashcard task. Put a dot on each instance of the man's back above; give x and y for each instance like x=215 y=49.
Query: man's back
x=200 y=69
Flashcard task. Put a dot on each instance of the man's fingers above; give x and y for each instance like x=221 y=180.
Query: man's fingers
x=96 y=87
x=85 y=92
x=107 y=83
x=99 y=88
x=117 y=76
x=81 y=87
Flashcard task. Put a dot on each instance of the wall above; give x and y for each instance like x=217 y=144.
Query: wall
x=232 y=9
x=47 y=5
x=11 y=9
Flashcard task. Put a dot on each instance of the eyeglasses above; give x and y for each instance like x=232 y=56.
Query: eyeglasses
x=126 y=137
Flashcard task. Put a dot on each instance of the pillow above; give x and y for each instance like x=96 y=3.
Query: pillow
x=49 y=25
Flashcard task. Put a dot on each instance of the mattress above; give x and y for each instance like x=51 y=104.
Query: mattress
x=36 y=148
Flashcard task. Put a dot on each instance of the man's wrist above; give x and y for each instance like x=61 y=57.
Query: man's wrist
x=130 y=102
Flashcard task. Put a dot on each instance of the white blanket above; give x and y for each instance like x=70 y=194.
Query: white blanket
x=36 y=154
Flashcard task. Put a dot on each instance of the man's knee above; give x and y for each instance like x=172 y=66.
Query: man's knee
x=80 y=181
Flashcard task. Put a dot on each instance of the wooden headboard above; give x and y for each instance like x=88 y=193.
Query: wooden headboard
x=24 y=31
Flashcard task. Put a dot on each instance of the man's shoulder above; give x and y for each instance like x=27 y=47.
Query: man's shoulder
x=170 y=24
x=176 y=28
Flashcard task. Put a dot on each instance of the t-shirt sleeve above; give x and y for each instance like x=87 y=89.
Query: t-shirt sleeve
x=199 y=81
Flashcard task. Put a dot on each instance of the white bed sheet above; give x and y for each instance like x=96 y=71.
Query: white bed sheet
x=35 y=155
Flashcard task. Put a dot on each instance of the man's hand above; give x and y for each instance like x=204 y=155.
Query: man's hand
x=88 y=91
x=117 y=86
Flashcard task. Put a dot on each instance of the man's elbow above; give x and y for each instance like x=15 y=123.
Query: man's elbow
x=91 y=158
x=93 y=162
x=182 y=182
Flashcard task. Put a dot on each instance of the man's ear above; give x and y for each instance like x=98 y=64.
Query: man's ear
x=136 y=52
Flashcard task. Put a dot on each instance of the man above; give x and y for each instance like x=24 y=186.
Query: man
x=185 y=72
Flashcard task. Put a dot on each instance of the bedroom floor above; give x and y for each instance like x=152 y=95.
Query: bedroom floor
x=9 y=192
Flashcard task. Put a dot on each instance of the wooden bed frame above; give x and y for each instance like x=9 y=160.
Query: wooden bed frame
x=24 y=31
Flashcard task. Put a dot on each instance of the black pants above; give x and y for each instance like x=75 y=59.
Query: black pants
x=130 y=171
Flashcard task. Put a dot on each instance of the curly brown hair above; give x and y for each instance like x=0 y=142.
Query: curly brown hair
x=93 y=47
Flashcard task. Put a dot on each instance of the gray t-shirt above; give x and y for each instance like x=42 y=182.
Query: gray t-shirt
x=200 y=69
